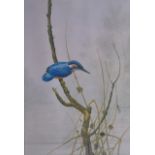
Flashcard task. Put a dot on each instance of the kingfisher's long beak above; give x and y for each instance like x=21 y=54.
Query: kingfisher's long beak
x=85 y=70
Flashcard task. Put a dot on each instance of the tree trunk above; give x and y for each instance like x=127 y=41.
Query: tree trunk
x=88 y=148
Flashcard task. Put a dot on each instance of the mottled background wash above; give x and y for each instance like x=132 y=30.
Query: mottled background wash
x=92 y=26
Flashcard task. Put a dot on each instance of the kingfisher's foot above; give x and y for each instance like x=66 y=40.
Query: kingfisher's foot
x=59 y=78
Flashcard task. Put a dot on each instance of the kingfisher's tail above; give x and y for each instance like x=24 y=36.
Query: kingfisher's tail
x=47 y=77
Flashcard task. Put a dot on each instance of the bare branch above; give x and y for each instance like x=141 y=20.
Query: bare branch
x=73 y=102
x=50 y=34
x=76 y=105
x=60 y=99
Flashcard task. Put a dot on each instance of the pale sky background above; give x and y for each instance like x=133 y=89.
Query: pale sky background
x=93 y=25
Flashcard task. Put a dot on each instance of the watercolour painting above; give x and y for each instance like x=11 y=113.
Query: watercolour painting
x=77 y=77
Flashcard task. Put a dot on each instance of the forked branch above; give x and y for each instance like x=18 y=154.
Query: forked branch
x=86 y=111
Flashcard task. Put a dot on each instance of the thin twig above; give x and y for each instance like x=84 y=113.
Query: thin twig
x=66 y=142
x=103 y=77
x=74 y=74
x=106 y=111
x=110 y=95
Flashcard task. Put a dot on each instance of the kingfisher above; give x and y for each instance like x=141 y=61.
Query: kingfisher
x=62 y=69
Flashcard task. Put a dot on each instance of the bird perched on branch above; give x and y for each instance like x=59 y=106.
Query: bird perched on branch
x=62 y=69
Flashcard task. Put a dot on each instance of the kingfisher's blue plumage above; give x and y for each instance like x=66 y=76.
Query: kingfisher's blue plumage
x=62 y=69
